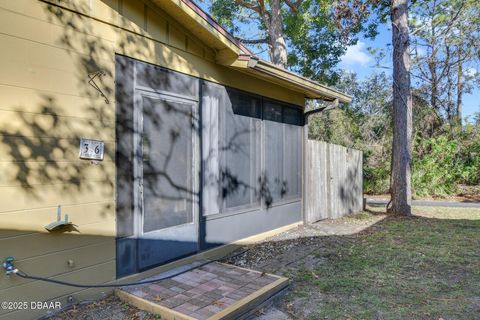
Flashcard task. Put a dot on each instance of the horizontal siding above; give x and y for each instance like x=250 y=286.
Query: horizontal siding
x=46 y=195
x=32 y=173
x=30 y=100
x=96 y=218
x=51 y=79
x=39 y=26
x=81 y=257
x=33 y=53
x=45 y=149
x=25 y=124
x=144 y=46
x=37 y=244
x=39 y=290
x=13 y=233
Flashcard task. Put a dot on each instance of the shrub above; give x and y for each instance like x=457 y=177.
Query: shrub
x=435 y=168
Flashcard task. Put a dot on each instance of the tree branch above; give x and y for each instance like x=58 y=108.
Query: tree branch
x=253 y=41
x=293 y=5
x=249 y=5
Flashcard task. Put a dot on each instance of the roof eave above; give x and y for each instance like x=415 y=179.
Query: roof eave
x=232 y=53
x=197 y=20
x=311 y=89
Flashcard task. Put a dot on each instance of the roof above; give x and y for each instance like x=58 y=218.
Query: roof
x=232 y=53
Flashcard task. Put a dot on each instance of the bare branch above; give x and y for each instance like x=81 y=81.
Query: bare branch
x=294 y=5
x=253 y=41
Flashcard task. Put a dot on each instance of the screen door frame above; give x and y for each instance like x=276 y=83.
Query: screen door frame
x=189 y=230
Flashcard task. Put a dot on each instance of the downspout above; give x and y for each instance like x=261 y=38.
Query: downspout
x=306 y=116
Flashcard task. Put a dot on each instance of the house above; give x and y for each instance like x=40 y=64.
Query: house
x=136 y=136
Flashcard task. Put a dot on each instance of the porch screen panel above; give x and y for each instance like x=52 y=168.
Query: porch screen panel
x=231 y=149
x=273 y=172
x=212 y=98
x=292 y=160
x=240 y=149
x=283 y=150
x=159 y=79
x=167 y=163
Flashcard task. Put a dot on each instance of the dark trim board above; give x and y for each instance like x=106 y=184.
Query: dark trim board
x=235 y=227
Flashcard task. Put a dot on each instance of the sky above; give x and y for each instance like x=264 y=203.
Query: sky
x=358 y=59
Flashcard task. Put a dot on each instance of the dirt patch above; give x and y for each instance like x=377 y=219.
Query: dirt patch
x=110 y=308
x=304 y=249
x=299 y=247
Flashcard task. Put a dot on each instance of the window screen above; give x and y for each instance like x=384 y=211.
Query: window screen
x=272 y=111
x=160 y=79
x=275 y=182
x=283 y=151
x=292 y=115
x=212 y=99
x=232 y=132
x=240 y=149
x=292 y=160
x=244 y=104
x=231 y=149
x=167 y=163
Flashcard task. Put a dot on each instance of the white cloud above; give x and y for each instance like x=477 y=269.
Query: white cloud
x=471 y=72
x=356 y=54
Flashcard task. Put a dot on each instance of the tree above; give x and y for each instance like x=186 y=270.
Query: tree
x=298 y=34
x=276 y=18
x=347 y=15
x=268 y=15
x=401 y=190
x=445 y=44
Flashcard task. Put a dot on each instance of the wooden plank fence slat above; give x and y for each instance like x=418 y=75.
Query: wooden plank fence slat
x=334 y=181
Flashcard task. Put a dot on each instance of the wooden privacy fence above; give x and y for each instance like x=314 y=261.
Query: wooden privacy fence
x=333 y=181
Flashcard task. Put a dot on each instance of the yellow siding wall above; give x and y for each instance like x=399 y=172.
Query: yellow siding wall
x=46 y=105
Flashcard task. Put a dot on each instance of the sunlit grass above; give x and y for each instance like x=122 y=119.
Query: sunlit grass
x=424 y=267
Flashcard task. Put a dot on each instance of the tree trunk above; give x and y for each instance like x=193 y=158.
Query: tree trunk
x=277 y=45
x=460 y=80
x=449 y=104
x=459 y=95
x=432 y=62
x=402 y=111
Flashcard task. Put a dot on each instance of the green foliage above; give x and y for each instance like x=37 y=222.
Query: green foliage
x=443 y=157
x=444 y=39
x=469 y=155
x=442 y=163
x=376 y=179
x=314 y=44
x=435 y=170
x=225 y=12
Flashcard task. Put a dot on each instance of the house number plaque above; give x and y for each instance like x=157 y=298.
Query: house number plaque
x=91 y=149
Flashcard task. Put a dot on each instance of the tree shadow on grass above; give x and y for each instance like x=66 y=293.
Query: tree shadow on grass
x=400 y=267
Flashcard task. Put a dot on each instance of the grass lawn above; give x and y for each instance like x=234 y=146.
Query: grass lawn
x=424 y=267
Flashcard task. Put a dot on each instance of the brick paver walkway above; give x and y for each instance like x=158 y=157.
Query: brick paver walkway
x=204 y=291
